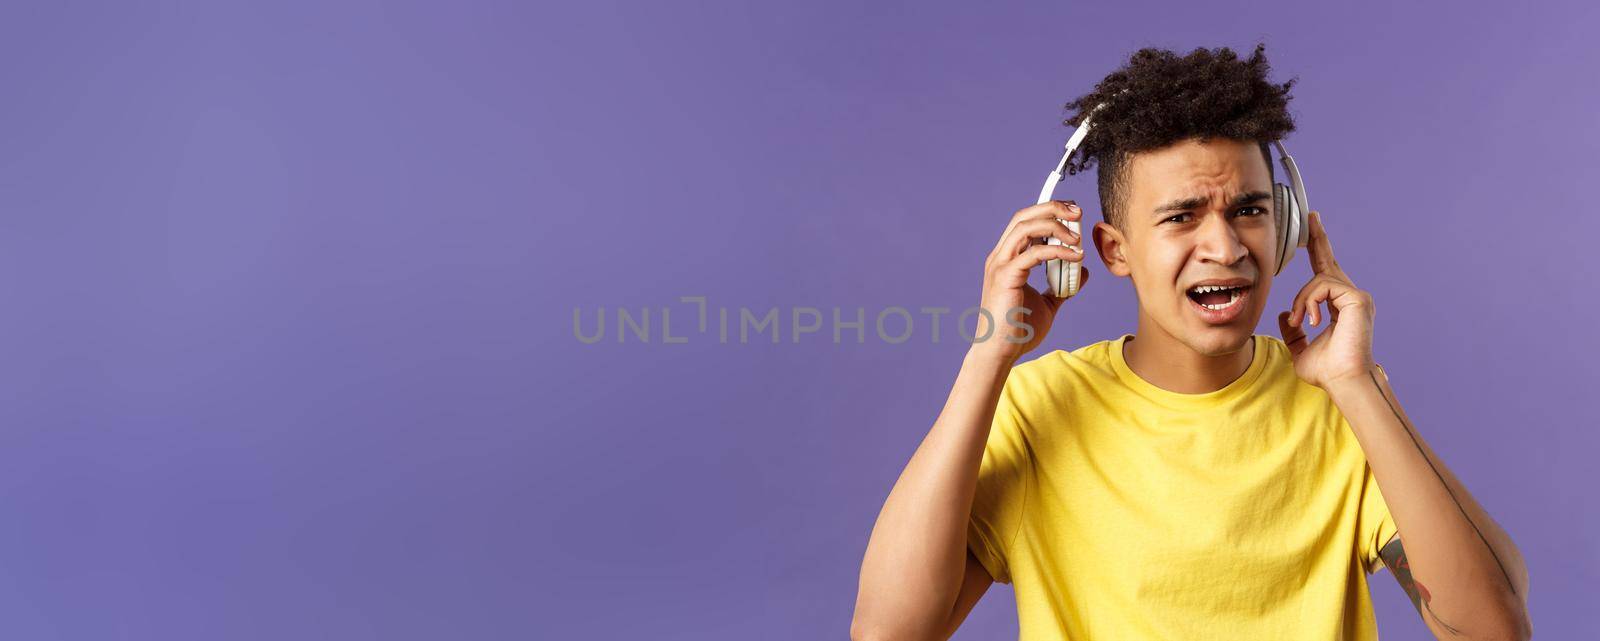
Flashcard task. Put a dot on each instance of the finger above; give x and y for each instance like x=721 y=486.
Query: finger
x=1294 y=303
x=1293 y=336
x=1320 y=248
x=1301 y=308
x=1014 y=273
x=1331 y=291
x=1345 y=297
x=1032 y=232
x=1063 y=209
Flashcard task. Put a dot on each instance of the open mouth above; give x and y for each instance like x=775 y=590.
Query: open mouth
x=1218 y=303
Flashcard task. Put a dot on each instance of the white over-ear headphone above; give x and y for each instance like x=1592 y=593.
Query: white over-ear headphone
x=1289 y=209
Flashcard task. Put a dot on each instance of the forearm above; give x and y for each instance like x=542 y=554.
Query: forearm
x=915 y=560
x=1469 y=572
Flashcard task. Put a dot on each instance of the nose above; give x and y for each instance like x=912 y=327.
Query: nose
x=1217 y=242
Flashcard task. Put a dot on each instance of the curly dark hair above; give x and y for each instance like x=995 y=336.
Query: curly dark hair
x=1159 y=98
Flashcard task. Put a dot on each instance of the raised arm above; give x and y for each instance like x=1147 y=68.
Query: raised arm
x=917 y=579
x=1462 y=571
x=1460 y=568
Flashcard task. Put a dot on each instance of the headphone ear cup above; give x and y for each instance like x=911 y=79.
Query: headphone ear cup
x=1283 y=215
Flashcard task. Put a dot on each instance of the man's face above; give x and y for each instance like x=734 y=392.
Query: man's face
x=1197 y=239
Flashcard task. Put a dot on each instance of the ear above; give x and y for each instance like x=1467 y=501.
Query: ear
x=1109 y=243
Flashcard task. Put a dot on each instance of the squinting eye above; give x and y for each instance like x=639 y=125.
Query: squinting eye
x=1173 y=219
x=1258 y=211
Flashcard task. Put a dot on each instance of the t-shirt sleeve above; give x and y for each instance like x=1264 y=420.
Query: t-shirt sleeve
x=1002 y=490
x=1375 y=526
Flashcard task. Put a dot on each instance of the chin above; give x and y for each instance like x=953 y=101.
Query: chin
x=1217 y=341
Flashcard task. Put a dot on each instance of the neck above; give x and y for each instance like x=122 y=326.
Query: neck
x=1167 y=363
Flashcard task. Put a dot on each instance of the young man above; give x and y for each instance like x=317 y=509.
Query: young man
x=1192 y=480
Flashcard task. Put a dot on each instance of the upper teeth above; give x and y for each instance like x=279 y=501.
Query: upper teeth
x=1211 y=288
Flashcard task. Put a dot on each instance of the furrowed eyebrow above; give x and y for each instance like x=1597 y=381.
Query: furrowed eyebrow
x=1247 y=198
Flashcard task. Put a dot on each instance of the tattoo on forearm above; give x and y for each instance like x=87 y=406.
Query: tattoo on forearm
x=1394 y=556
x=1407 y=428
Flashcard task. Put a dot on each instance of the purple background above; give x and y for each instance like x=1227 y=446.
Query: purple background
x=289 y=345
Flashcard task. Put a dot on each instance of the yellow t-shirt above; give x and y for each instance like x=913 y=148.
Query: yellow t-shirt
x=1119 y=510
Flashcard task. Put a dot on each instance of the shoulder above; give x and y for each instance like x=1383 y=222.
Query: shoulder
x=1087 y=360
x=1059 y=371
